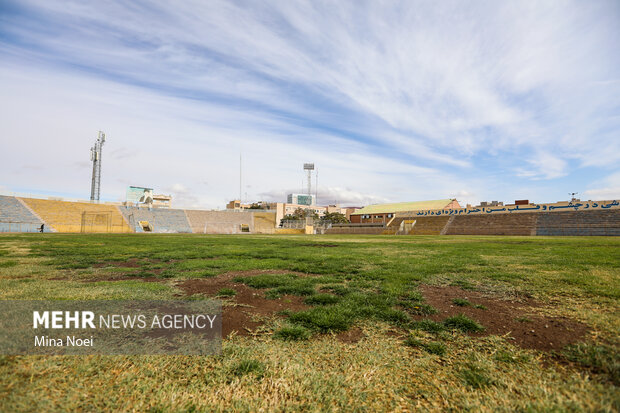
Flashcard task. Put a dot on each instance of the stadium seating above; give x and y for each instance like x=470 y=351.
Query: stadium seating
x=579 y=223
x=428 y=225
x=497 y=224
x=224 y=222
x=160 y=220
x=15 y=217
x=64 y=216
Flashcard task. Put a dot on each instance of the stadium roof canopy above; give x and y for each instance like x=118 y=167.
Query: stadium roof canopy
x=403 y=206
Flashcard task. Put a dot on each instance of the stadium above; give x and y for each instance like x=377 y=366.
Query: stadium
x=449 y=306
x=188 y=282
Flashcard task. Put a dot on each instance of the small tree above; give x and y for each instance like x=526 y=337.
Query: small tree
x=300 y=214
x=335 y=218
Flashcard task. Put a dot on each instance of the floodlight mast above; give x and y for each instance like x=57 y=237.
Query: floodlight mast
x=309 y=167
x=95 y=156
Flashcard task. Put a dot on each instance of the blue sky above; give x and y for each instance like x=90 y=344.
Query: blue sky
x=393 y=101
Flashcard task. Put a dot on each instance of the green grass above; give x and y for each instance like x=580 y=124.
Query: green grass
x=322 y=299
x=599 y=358
x=248 y=367
x=461 y=302
x=370 y=282
x=462 y=323
x=429 y=326
x=431 y=347
x=226 y=292
x=292 y=333
x=475 y=376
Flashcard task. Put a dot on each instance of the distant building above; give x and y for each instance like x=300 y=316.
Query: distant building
x=301 y=199
x=284 y=208
x=162 y=201
x=383 y=213
x=490 y=204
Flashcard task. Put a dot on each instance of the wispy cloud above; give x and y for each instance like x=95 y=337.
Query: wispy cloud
x=393 y=100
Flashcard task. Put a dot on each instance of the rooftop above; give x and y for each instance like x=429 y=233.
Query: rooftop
x=403 y=206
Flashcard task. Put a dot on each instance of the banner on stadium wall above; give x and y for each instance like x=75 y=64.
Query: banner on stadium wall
x=507 y=209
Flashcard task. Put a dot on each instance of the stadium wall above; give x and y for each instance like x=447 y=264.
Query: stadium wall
x=579 y=218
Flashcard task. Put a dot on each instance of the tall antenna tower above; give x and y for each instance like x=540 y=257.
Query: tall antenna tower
x=95 y=156
x=309 y=167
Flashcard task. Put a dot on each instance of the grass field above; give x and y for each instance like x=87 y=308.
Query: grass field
x=364 y=323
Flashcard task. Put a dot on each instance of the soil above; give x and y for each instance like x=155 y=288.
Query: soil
x=130 y=263
x=124 y=278
x=351 y=336
x=241 y=311
x=517 y=320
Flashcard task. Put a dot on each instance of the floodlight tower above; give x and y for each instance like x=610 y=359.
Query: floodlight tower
x=309 y=167
x=95 y=156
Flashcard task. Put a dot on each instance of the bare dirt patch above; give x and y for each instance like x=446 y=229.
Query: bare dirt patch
x=351 y=336
x=241 y=313
x=125 y=278
x=517 y=320
x=130 y=263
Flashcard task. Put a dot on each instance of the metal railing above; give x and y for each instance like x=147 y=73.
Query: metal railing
x=15 y=226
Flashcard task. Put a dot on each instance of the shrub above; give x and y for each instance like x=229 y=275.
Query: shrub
x=463 y=323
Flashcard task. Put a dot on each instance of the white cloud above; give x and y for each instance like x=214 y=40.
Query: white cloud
x=397 y=100
x=608 y=188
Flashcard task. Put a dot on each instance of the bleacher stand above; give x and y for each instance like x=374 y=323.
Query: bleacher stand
x=15 y=217
x=161 y=220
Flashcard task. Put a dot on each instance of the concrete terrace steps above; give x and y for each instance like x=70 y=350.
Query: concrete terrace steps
x=16 y=217
x=66 y=216
x=429 y=225
x=499 y=224
x=162 y=220
x=585 y=223
x=219 y=222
